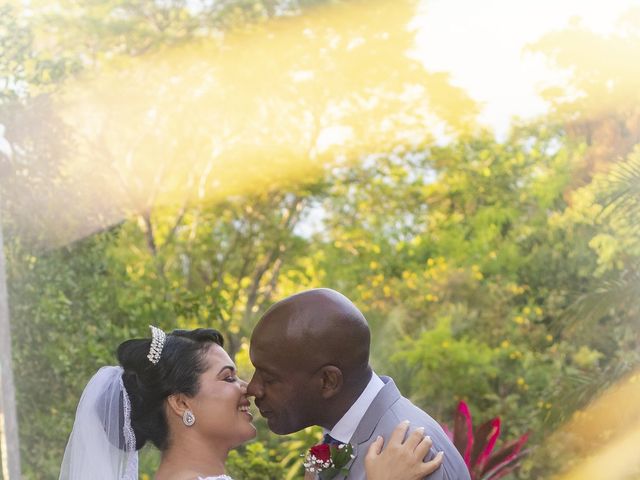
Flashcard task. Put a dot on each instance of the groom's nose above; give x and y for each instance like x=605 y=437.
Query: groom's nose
x=254 y=388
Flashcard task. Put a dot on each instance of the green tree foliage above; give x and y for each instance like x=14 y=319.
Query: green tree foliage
x=216 y=265
x=253 y=463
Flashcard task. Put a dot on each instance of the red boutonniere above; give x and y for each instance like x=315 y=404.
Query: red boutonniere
x=328 y=460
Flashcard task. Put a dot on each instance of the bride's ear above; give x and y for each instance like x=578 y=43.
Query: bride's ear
x=177 y=403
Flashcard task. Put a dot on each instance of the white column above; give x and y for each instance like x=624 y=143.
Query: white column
x=9 y=443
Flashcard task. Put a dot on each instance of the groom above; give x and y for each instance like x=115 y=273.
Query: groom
x=311 y=357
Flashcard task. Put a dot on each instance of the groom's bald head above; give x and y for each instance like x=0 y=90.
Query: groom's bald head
x=311 y=353
x=318 y=326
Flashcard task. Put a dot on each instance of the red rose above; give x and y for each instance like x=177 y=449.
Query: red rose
x=321 y=452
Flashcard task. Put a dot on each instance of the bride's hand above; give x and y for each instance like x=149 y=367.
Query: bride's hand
x=401 y=461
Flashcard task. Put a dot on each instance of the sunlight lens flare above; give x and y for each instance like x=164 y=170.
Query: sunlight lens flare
x=278 y=102
x=602 y=440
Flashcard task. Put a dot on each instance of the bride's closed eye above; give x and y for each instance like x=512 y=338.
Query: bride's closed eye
x=230 y=371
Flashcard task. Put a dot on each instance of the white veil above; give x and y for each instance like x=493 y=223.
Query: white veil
x=102 y=445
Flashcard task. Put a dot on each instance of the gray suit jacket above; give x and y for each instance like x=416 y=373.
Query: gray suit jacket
x=387 y=410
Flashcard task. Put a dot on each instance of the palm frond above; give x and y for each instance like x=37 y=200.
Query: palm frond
x=621 y=197
x=621 y=293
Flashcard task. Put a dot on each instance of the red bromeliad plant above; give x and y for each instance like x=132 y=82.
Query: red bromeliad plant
x=476 y=446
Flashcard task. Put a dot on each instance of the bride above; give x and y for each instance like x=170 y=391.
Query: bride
x=180 y=391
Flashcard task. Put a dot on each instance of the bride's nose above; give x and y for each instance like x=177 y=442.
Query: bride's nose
x=243 y=385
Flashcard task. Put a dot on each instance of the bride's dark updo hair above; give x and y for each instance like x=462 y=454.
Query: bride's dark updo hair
x=182 y=362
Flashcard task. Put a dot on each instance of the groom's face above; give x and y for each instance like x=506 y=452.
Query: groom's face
x=283 y=389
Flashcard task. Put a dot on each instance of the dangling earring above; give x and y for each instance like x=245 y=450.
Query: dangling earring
x=188 y=418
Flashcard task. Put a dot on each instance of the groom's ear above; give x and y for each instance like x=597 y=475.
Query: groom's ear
x=177 y=404
x=331 y=381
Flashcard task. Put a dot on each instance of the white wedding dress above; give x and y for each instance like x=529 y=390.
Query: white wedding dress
x=217 y=477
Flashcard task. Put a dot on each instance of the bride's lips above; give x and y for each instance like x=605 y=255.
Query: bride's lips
x=244 y=408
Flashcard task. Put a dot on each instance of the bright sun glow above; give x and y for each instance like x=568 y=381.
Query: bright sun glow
x=483 y=46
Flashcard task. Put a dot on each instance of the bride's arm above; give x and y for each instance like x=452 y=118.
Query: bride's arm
x=401 y=461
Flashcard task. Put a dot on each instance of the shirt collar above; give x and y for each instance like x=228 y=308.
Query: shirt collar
x=346 y=426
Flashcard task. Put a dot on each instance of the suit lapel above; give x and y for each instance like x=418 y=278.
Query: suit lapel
x=380 y=405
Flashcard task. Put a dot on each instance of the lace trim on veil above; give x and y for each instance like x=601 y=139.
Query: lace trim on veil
x=131 y=471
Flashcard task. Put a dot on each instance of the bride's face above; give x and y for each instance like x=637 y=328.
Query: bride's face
x=221 y=406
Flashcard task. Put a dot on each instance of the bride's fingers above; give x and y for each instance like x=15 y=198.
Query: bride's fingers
x=422 y=449
x=401 y=458
x=432 y=465
x=375 y=448
x=415 y=438
x=398 y=434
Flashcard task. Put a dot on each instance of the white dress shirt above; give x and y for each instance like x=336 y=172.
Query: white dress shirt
x=346 y=426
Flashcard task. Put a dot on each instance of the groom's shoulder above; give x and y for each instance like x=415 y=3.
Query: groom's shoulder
x=404 y=409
